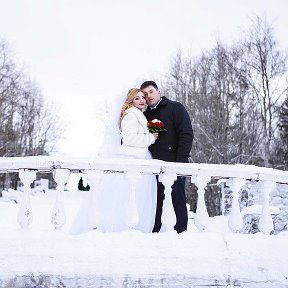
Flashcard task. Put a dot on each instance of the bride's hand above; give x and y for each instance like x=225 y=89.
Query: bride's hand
x=155 y=135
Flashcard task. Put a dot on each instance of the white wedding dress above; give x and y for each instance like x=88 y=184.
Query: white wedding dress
x=113 y=190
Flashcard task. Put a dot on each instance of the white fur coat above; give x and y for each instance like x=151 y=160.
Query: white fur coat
x=135 y=135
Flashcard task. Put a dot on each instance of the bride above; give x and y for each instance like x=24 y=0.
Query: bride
x=113 y=192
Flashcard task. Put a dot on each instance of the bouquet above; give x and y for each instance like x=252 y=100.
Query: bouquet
x=155 y=126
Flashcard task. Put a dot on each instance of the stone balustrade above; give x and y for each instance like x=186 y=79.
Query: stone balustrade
x=235 y=176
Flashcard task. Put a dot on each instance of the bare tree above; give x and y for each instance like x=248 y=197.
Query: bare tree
x=28 y=126
x=232 y=94
x=266 y=68
x=214 y=92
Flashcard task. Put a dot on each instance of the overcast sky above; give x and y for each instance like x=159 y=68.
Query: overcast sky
x=79 y=51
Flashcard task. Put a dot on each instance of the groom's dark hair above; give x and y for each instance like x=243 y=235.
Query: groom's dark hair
x=148 y=83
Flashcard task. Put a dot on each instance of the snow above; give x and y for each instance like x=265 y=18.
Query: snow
x=175 y=259
x=257 y=209
x=215 y=257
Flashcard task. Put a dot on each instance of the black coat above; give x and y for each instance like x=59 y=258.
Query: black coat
x=173 y=145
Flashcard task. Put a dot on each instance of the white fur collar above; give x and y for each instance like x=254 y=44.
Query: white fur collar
x=140 y=116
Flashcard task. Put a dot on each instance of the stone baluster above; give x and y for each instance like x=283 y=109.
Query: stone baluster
x=25 y=213
x=94 y=178
x=132 y=217
x=266 y=221
x=201 y=219
x=235 y=221
x=168 y=214
x=58 y=217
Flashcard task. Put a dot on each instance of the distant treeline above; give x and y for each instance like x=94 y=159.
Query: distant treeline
x=237 y=99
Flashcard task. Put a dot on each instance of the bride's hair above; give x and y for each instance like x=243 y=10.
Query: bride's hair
x=129 y=101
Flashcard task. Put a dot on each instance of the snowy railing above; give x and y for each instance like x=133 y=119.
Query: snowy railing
x=235 y=177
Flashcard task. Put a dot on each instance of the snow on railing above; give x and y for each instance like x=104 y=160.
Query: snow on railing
x=235 y=177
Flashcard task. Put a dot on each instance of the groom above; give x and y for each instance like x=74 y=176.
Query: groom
x=172 y=145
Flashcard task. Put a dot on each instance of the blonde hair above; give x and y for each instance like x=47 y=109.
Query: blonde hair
x=132 y=93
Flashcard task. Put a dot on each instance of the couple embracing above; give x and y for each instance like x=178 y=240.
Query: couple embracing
x=174 y=145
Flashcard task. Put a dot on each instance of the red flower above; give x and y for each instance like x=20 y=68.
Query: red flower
x=155 y=126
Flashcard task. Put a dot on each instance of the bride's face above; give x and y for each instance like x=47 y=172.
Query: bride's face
x=139 y=101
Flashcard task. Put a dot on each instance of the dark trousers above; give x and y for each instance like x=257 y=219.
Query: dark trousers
x=179 y=204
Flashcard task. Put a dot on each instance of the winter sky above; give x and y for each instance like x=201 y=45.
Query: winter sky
x=83 y=51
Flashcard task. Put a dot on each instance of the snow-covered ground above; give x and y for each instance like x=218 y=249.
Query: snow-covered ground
x=43 y=256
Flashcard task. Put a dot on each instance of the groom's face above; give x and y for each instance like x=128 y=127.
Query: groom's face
x=152 y=95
